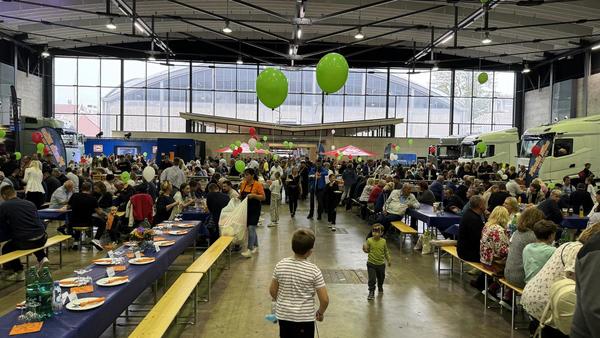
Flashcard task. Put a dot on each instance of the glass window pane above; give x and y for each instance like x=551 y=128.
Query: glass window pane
x=463 y=83
x=417 y=130
x=311 y=109
x=135 y=102
x=266 y=114
x=290 y=110
x=462 y=110
x=157 y=101
x=400 y=130
x=136 y=123
x=176 y=125
x=110 y=71
x=482 y=111
x=418 y=109
x=202 y=76
x=178 y=102
x=246 y=106
x=441 y=83
x=246 y=78
x=483 y=90
x=225 y=77
x=134 y=73
x=179 y=75
x=65 y=71
x=88 y=72
x=376 y=107
x=156 y=123
x=110 y=101
x=88 y=125
x=478 y=128
x=501 y=127
x=309 y=81
x=503 y=111
x=157 y=74
x=354 y=108
x=65 y=100
x=202 y=102
x=399 y=82
x=108 y=123
x=88 y=100
x=334 y=109
x=70 y=120
x=439 y=109
x=439 y=130
x=294 y=80
x=398 y=106
x=504 y=84
x=377 y=81
x=419 y=82
x=461 y=129
x=225 y=103
x=355 y=83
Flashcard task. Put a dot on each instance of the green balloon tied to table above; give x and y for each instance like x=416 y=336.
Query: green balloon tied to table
x=332 y=72
x=271 y=87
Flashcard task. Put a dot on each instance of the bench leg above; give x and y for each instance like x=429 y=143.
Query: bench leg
x=485 y=295
x=195 y=296
x=439 y=253
x=209 y=282
x=512 y=314
x=27 y=261
x=60 y=255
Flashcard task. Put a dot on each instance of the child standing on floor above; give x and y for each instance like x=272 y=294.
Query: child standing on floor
x=377 y=249
x=275 y=188
x=295 y=282
x=331 y=199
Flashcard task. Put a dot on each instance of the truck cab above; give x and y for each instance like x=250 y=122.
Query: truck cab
x=448 y=148
x=501 y=147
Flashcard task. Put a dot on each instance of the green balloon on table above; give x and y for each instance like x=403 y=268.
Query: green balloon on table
x=40 y=147
x=17 y=155
x=232 y=146
x=332 y=72
x=271 y=87
x=240 y=166
x=481 y=147
x=482 y=78
x=410 y=141
x=125 y=176
x=238 y=143
x=2 y=133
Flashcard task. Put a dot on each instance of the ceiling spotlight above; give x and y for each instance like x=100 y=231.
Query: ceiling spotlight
x=239 y=60
x=359 y=35
x=151 y=57
x=595 y=47
x=299 y=33
x=486 y=40
x=526 y=69
x=45 y=53
x=227 y=29
x=435 y=67
x=111 y=25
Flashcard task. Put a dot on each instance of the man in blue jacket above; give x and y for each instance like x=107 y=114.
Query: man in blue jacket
x=316 y=187
x=437 y=188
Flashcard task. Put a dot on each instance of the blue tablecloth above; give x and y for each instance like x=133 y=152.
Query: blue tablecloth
x=575 y=222
x=426 y=215
x=53 y=214
x=194 y=214
x=94 y=322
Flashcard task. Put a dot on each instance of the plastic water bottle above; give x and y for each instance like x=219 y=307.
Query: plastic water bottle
x=46 y=285
x=271 y=317
x=57 y=305
x=581 y=211
x=31 y=285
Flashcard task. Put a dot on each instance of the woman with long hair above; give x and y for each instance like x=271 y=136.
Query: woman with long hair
x=164 y=203
x=494 y=240
x=34 y=190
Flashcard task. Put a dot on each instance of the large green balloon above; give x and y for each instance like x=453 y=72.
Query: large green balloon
x=482 y=78
x=332 y=72
x=240 y=166
x=40 y=147
x=481 y=147
x=271 y=87
x=410 y=141
x=232 y=146
x=125 y=176
x=238 y=143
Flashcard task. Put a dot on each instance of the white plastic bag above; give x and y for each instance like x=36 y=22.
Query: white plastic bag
x=427 y=248
x=233 y=220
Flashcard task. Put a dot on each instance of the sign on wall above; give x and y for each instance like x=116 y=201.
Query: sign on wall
x=98 y=148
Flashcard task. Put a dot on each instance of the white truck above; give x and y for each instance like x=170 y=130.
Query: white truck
x=448 y=148
x=501 y=147
x=562 y=148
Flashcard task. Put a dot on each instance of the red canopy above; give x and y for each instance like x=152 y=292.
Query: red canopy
x=245 y=150
x=349 y=150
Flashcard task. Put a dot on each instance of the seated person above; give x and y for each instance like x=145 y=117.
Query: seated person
x=21 y=226
x=164 y=203
x=535 y=255
x=184 y=196
x=471 y=224
x=105 y=199
x=60 y=197
x=494 y=240
x=385 y=193
x=122 y=196
x=550 y=207
x=377 y=189
x=580 y=198
x=396 y=205
x=426 y=196
x=535 y=194
x=452 y=203
x=83 y=206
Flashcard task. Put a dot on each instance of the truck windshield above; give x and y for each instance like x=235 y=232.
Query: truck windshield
x=448 y=151
x=467 y=150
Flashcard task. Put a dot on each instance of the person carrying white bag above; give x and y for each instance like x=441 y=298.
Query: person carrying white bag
x=232 y=221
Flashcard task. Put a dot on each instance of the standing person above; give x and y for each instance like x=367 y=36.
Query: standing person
x=293 y=287
x=215 y=202
x=303 y=172
x=20 y=225
x=331 y=199
x=173 y=174
x=316 y=185
x=349 y=177
x=586 y=172
x=294 y=190
x=275 y=188
x=251 y=189
x=34 y=190
x=377 y=249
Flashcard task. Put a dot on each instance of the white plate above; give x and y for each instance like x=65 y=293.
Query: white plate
x=104 y=282
x=176 y=232
x=164 y=243
x=103 y=261
x=70 y=282
x=134 y=261
x=72 y=307
x=130 y=243
x=184 y=225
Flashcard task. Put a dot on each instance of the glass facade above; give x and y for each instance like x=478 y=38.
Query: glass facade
x=91 y=94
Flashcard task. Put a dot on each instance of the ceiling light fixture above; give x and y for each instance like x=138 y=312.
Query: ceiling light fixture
x=239 y=60
x=435 y=67
x=359 y=35
x=596 y=47
x=447 y=39
x=299 y=33
x=111 y=25
x=486 y=40
x=151 y=57
x=227 y=29
x=45 y=53
x=526 y=69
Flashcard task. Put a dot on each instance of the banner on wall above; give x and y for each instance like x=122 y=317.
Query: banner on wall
x=52 y=140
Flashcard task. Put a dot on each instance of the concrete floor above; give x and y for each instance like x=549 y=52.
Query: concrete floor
x=416 y=302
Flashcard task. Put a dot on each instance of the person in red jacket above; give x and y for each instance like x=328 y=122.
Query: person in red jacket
x=376 y=191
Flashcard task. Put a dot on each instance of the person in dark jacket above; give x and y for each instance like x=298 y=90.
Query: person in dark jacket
x=437 y=188
x=551 y=209
x=580 y=198
x=349 y=177
x=452 y=203
x=331 y=199
x=215 y=202
x=425 y=195
x=497 y=198
x=52 y=183
x=469 y=231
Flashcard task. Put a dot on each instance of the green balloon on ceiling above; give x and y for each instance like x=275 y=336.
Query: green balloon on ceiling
x=271 y=87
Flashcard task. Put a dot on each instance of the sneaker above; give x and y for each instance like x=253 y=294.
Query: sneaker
x=329 y=225
x=380 y=289
x=247 y=253
x=43 y=263
x=333 y=228
x=255 y=250
x=371 y=295
x=16 y=277
x=272 y=225
x=96 y=243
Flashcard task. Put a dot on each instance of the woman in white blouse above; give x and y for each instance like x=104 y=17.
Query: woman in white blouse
x=34 y=190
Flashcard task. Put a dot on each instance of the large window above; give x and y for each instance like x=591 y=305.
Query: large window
x=91 y=96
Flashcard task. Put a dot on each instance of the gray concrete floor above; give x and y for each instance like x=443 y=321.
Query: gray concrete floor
x=416 y=303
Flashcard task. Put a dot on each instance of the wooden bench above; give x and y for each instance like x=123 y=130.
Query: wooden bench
x=450 y=250
x=515 y=290
x=158 y=320
x=54 y=240
x=404 y=230
x=205 y=262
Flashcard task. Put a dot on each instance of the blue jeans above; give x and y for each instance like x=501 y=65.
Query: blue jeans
x=252 y=238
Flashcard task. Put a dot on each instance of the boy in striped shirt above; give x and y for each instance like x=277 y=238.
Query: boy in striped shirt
x=295 y=282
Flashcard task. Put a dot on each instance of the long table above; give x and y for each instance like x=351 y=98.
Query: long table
x=575 y=222
x=426 y=215
x=53 y=214
x=93 y=323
